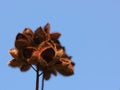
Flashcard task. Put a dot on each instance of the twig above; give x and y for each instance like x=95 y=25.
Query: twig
x=40 y=74
x=42 y=88
x=33 y=68
x=37 y=78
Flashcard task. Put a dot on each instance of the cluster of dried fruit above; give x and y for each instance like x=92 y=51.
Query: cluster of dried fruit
x=42 y=49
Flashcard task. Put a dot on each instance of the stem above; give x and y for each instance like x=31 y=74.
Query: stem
x=33 y=68
x=37 y=78
x=42 y=83
x=40 y=74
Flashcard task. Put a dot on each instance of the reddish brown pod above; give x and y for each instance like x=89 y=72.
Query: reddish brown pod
x=42 y=51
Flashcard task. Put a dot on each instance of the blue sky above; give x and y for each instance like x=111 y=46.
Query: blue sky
x=90 y=32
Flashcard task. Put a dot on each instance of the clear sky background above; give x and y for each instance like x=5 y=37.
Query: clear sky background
x=90 y=32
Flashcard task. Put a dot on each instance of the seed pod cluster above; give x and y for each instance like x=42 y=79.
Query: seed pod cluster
x=43 y=49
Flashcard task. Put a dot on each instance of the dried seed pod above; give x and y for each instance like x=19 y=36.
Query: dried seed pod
x=53 y=72
x=32 y=60
x=52 y=43
x=39 y=36
x=66 y=71
x=35 y=59
x=20 y=36
x=47 y=51
x=28 y=32
x=55 y=36
x=42 y=49
x=47 y=28
x=14 y=63
x=22 y=41
x=47 y=31
x=24 y=67
x=65 y=67
x=27 y=52
x=46 y=44
x=40 y=67
x=73 y=64
x=60 y=53
x=48 y=54
x=14 y=53
x=47 y=75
